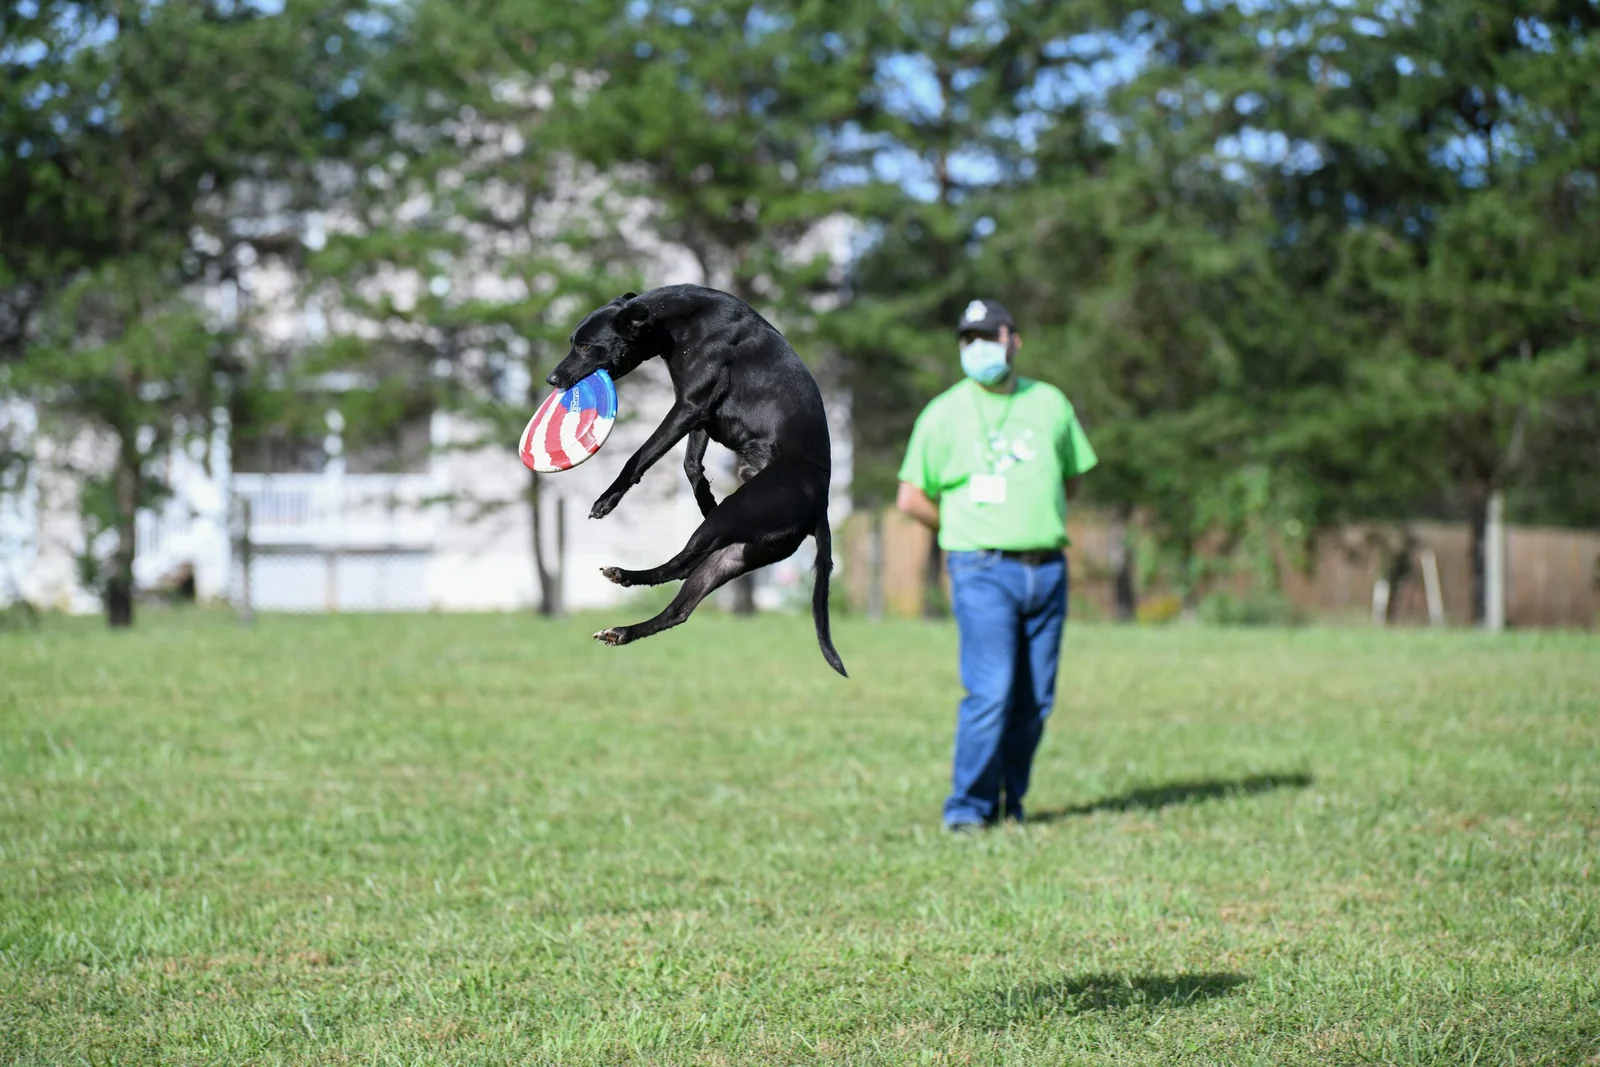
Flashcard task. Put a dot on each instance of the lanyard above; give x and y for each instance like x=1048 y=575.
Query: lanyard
x=988 y=434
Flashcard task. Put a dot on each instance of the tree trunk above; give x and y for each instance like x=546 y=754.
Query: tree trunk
x=744 y=594
x=558 y=593
x=119 y=603
x=1125 y=601
x=246 y=545
x=744 y=586
x=549 y=593
x=1478 y=520
x=119 y=584
x=1398 y=570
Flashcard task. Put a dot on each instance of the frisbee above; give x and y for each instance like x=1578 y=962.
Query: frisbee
x=570 y=426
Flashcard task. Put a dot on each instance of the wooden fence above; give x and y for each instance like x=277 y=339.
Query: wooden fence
x=1552 y=575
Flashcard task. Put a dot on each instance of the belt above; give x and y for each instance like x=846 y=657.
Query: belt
x=1033 y=558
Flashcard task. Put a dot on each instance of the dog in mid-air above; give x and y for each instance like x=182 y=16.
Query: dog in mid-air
x=736 y=381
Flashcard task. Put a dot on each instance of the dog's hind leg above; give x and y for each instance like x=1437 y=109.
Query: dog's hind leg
x=707 y=538
x=715 y=570
x=765 y=511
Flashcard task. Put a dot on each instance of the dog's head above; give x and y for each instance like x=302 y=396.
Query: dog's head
x=614 y=337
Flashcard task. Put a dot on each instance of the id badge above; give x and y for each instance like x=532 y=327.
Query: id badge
x=988 y=488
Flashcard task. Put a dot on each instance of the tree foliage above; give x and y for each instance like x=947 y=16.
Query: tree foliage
x=148 y=150
x=1296 y=264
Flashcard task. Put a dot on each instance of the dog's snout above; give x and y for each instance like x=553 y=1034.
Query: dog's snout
x=551 y=379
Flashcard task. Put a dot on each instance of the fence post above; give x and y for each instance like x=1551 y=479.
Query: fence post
x=1494 y=564
x=330 y=588
x=875 y=563
x=1430 y=583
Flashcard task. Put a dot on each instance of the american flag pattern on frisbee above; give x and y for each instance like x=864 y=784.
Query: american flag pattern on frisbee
x=570 y=426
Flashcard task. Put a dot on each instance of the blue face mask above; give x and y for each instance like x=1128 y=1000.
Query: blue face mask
x=984 y=361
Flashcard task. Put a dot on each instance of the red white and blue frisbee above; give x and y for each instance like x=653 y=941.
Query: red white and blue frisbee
x=570 y=426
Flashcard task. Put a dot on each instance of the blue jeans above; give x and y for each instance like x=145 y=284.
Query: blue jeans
x=1009 y=616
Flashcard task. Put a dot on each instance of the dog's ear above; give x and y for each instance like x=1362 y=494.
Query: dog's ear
x=631 y=317
x=627 y=296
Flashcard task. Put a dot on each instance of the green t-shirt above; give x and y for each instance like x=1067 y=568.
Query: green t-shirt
x=1022 y=447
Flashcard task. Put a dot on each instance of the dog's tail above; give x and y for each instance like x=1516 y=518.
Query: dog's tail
x=819 y=593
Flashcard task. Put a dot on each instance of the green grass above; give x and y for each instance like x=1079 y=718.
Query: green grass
x=488 y=840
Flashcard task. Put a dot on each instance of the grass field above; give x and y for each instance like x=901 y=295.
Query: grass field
x=488 y=840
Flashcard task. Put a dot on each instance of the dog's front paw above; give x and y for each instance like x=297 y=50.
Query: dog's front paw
x=615 y=575
x=613 y=636
x=605 y=505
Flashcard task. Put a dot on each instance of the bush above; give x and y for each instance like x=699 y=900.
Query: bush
x=1251 y=609
x=19 y=615
x=1085 y=609
x=1156 y=610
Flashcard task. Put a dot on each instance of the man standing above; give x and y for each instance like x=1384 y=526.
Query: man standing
x=990 y=466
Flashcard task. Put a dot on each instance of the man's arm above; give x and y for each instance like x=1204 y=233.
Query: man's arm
x=1074 y=484
x=915 y=502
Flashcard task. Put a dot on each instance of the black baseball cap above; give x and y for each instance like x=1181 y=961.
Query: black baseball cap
x=985 y=316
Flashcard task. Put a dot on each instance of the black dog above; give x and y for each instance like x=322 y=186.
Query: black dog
x=736 y=381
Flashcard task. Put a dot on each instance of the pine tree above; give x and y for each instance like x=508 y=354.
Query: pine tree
x=1438 y=197
x=940 y=141
x=716 y=112
x=481 y=233
x=148 y=150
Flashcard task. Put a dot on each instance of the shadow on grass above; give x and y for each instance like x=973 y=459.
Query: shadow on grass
x=1163 y=796
x=1103 y=993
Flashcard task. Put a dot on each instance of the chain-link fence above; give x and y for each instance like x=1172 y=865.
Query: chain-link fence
x=275 y=573
x=289 y=579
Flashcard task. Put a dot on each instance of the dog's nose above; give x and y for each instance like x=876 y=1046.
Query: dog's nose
x=551 y=380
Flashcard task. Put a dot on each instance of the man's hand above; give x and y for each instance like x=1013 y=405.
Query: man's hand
x=915 y=502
